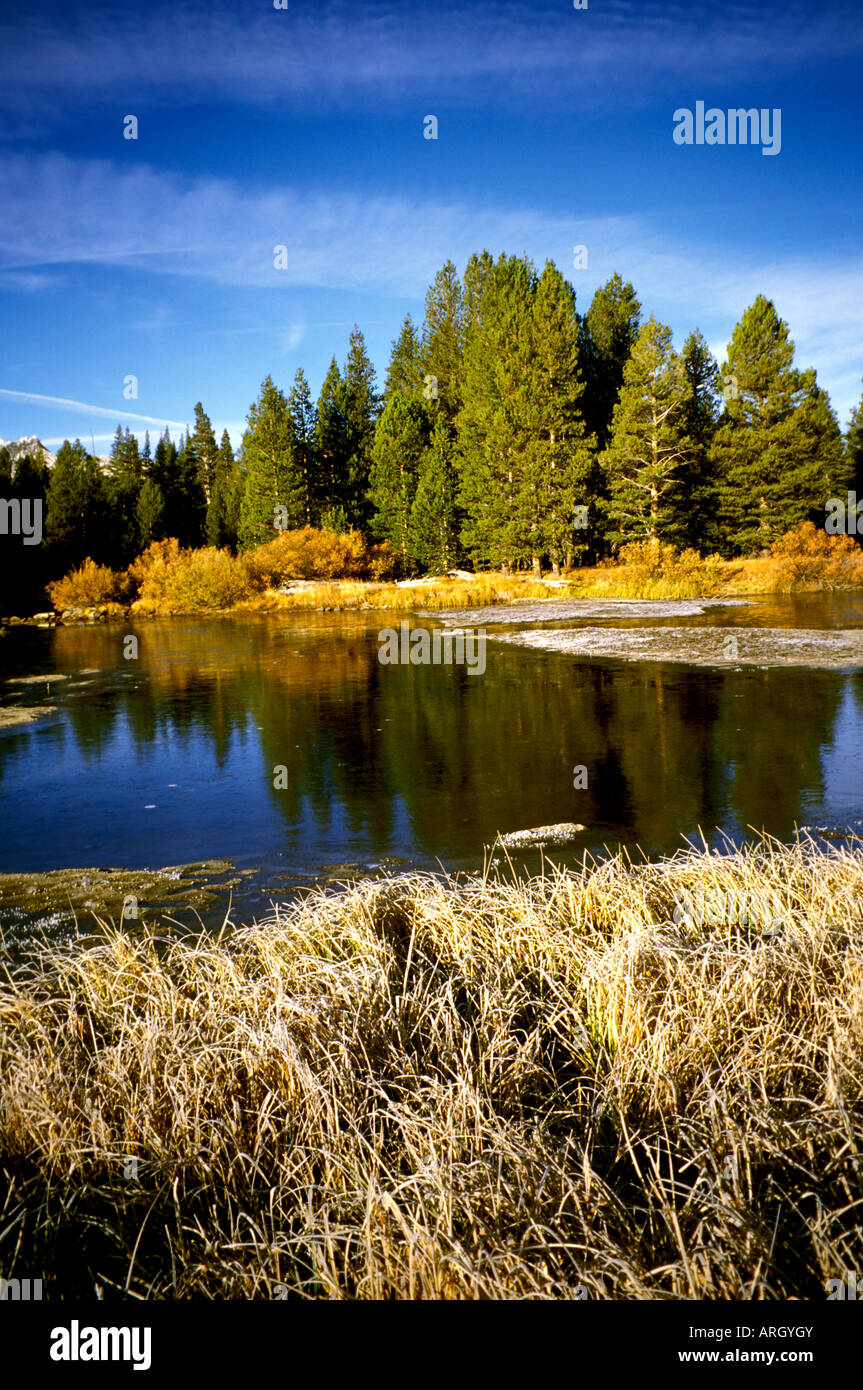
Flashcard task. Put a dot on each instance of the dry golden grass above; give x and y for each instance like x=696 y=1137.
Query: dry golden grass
x=804 y=560
x=478 y=591
x=412 y=1089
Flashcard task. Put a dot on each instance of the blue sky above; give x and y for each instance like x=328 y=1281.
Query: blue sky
x=304 y=127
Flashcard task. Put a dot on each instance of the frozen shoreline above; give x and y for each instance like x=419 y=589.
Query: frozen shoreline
x=559 y=610
x=703 y=646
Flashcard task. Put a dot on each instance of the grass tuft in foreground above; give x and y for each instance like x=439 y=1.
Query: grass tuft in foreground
x=415 y=1090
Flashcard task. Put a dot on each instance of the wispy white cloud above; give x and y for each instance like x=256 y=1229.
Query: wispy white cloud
x=55 y=440
x=337 y=241
x=382 y=52
x=84 y=408
x=158 y=319
x=392 y=247
x=292 y=336
x=235 y=429
x=26 y=281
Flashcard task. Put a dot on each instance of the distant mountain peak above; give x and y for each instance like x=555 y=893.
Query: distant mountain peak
x=27 y=444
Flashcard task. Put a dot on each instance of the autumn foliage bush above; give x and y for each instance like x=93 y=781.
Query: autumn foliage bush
x=191 y=580
x=809 y=557
x=312 y=553
x=167 y=577
x=89 y=586
x=654 y=569
x=152 y=569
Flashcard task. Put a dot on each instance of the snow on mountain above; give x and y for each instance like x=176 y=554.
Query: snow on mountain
x=28 y=444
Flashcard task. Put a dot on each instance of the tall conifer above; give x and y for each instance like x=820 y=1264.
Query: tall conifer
x=302 y=414
x=405 y=371
x=697 y=525
x=443 y=341
x=75 y=508
x=778 y=449
x=273 y=481
x=331 y=450
x=360 y=409
x=608 y=333
x=648 y=445
x=434 y=513
x=400 y=438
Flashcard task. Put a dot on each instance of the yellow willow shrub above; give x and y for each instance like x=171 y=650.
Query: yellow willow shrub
x=807 y=556
x=151 y=569
x=88 y=586
x=312 y=553
x=654 y=569
x=190 y=580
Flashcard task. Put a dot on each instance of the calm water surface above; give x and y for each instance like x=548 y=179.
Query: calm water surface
x=171 y=757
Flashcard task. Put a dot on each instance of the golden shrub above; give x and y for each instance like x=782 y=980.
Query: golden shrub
x=807 y=556
x=313 y=553
x=89 y=586
x=192 y=580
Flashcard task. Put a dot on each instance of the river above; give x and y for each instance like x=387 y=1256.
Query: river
x=281 y=742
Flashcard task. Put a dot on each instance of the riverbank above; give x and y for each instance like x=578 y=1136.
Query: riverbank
x=324 y=572
x=573 y=1086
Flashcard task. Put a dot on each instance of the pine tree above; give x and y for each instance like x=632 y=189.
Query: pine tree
x=476 y=273
x=698 y=499
x=818 y=462
x=360 y=409
x=203 y=443
x=75 y=512
x=235 y=484
x=405 y=371
x=443 y=341
x=150 y=513
x=125 y=466
x=854 y=450
x=561 y=465
x=526 y=461
x=331 y=449
x=491 y=422
x=400 y=438
x=223 y=509
x=187 y=507
x=273 y=479
x=648 y=445
x=778 y=449
x=125 y=475
x=608 y=334
x=163 y=472
x=302 y=414
x=434 y=520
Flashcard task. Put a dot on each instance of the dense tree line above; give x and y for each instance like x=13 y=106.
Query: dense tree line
x=511 y=431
